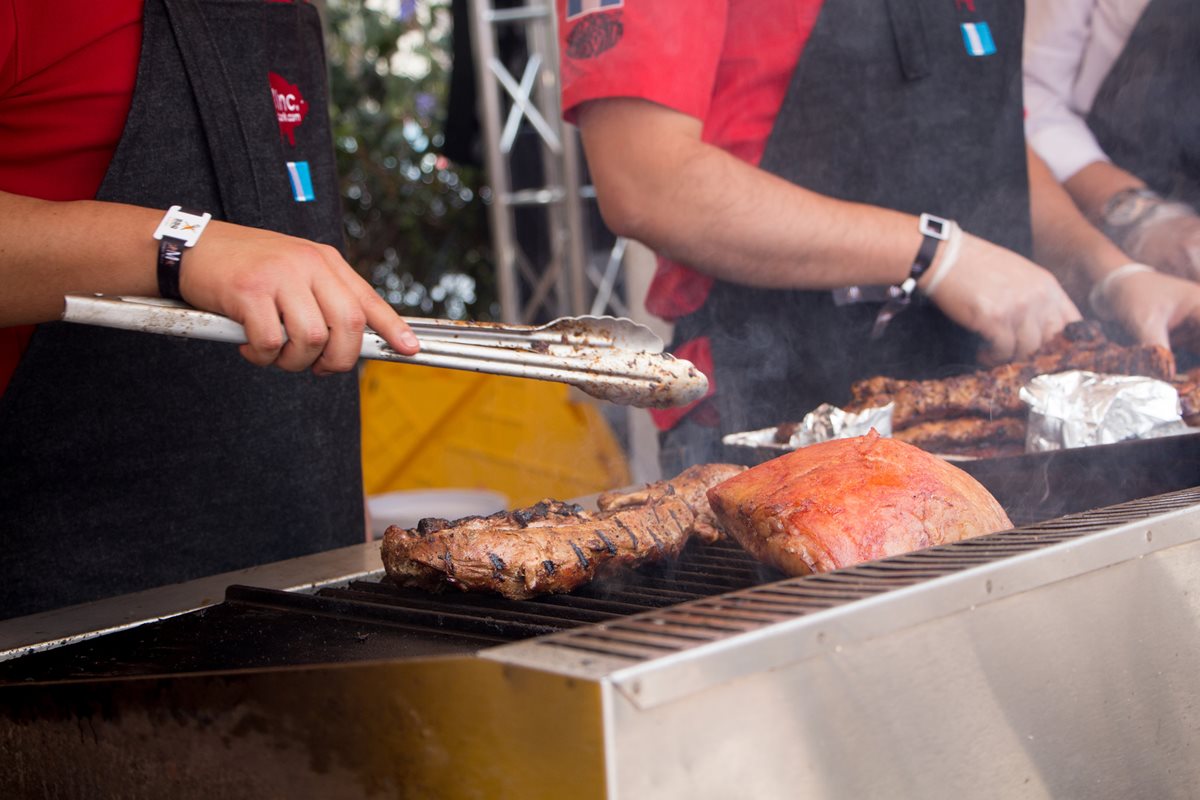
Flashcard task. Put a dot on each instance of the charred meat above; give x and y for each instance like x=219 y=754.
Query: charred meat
x=974 y=436
x=555 y=547
x=981 y=413
x=997 y=392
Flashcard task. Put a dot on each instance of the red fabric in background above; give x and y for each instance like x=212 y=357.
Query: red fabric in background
x=727 y=63
x=67 y=71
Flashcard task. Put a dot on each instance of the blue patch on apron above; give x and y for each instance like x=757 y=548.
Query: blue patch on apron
x=298 y=174
x=977 y=36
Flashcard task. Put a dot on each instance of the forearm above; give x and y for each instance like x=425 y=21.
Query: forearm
x=659 y=184
x=1064 y=241
x=50 y=249
x=1094 y=185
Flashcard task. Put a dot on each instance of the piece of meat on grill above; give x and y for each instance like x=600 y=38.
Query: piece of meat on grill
x=997 y=392
x=552 y=546
x=691 y=485
x=974 y=436
x=1188 y=386
x=841 y=502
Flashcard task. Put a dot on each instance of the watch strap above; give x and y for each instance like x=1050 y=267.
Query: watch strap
x=934 y=231
x=170 y=259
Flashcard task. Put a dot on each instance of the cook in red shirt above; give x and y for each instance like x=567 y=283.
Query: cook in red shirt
x=153 y=460
x=67 y=73
x=675 y=111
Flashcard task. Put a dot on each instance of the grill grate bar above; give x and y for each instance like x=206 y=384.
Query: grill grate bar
x=409 y=617
x=721 y=613
x=662 y=644
x=681 y=625
x=655 y=634
x=499 y=609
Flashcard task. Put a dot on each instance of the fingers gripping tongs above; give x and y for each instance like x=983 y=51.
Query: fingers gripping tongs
x=610 y=358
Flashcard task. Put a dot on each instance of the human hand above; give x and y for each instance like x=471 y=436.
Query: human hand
x=1170 y=242
x=1152 y=305
x=258 y=278
x=1008 y=300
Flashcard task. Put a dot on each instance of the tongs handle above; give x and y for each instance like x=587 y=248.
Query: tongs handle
x=606 y=371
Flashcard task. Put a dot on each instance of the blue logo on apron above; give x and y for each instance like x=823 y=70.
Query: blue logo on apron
x=302 y=189
x=577 y=8
x=977 y=36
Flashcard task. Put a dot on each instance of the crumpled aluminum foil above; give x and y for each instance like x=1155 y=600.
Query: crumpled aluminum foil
x=823 y=423
x=1079 y=408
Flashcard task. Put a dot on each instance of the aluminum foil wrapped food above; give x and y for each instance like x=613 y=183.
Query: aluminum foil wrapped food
x=1080 y=408
x=824 y=423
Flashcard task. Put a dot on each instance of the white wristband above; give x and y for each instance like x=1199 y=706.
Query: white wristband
x=1098 y=297
x=941 y=269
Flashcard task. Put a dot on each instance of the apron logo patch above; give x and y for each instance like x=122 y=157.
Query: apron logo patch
x=977 y=36
x=301 y=180
x=577 y=8
x=965 y=5
x=290 y=106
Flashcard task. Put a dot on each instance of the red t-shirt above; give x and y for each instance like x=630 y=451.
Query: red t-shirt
x=727 y=63
x=67 y=72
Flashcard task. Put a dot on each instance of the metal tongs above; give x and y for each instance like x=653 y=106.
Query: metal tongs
x=611 y=358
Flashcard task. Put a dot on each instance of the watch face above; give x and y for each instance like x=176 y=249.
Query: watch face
x=1129 y=208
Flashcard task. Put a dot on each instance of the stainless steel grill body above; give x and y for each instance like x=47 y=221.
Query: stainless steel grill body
x=1054 y=660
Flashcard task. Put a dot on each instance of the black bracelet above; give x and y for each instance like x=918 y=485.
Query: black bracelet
x=934 y=231
x=180 y=229
x=170 y=259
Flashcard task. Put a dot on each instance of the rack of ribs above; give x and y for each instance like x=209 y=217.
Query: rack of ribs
x=997 y=392
x=981 y=413
x=554 y=547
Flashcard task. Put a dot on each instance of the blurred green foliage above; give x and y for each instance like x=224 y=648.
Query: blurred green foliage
x=416 y=225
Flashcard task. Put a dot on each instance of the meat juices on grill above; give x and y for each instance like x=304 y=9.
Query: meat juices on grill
x=841 y=502
x=554 y=546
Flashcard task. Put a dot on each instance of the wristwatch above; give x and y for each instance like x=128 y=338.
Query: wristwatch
x=1128 y=206
x=179 y=229
x=934 y=231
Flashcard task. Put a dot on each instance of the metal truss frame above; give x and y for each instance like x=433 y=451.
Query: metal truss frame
x=569 y=279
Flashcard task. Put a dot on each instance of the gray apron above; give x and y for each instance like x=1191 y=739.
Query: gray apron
x=1146 y=115
x=128 y=460
x=887 y=107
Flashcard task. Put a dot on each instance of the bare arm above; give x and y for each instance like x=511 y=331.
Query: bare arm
x=1149 y=305
x=658 y=182
x=1093 y=186
x=1063 y=239
x=257 y=277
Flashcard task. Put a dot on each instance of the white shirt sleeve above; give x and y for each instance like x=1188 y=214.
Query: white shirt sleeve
x=1057 y=33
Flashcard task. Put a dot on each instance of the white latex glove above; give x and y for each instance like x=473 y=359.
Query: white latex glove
x=1169 y=242
x=1011 y=302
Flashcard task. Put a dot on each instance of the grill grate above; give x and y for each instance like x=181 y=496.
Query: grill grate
x=706 y=620
x=701 y=571
x=711 y=593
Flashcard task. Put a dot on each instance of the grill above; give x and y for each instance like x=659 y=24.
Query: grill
x=1054 y=659
x=365 y=619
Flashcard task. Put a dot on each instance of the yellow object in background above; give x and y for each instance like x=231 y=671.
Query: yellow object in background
x=438 y=428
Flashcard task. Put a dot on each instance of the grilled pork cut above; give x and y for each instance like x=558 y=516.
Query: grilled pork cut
x=845 y=501
x=554 y=546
